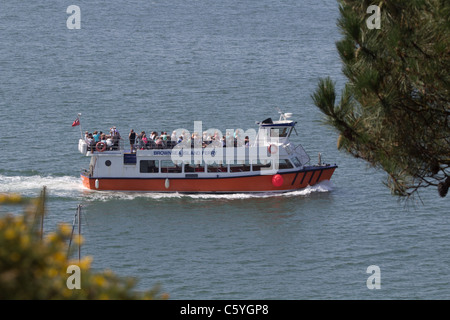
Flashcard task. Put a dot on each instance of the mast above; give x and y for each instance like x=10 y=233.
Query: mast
x=81 y=131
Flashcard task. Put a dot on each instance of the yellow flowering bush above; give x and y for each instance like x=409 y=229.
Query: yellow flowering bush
x=33 y=266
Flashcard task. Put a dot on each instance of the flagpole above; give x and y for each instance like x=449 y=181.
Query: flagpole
x=81 y=131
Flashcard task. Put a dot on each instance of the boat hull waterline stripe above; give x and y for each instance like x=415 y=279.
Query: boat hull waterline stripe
x=256 y=183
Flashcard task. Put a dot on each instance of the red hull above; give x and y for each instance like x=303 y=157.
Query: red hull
x=256 y=183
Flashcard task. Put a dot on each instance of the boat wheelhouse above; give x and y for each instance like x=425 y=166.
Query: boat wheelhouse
x=265 y=162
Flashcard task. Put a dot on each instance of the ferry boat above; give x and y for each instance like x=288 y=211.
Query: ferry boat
x=267 y=162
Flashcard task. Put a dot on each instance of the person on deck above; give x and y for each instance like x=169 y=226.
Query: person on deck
x=96 y=136
x=132 y=137
x=159 y=143
x=90 y=141
x=144 y=141
x=115 y=136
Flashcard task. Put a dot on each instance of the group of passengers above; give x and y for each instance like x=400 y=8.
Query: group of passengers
x=153 y=141
x=100 y=141
x=166 y=141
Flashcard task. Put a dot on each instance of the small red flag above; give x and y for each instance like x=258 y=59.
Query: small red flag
x=76 y=123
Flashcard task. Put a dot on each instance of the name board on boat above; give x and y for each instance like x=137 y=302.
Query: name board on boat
x=184 y=152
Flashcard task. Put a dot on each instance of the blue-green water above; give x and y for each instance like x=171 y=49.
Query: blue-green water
x=161 y=65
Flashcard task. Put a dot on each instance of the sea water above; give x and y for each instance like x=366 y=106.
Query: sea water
x=161 y=65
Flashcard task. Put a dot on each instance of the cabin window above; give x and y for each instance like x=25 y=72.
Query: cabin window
x=258 y=165
x=246 y=165
x=285 y=164
x=296 y=162
x=108 y=163
x=195 y=167
x=200 y=167
x=149 y=166
x=282 y=132
x=214 y=167
x=167 y=166
x=236 y=168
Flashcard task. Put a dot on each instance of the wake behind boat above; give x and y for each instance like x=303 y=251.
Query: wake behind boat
x=237 y=162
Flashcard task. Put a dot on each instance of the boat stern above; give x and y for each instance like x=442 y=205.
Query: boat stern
x=88 y=183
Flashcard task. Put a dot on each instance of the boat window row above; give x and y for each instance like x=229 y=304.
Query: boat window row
x=168 y=166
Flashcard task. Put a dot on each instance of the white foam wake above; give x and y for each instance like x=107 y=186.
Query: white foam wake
x=324 y=186
x=69 y=186
x=63 y=186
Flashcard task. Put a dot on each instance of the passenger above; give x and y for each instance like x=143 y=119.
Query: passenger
x=151 y=144
x=115 y=136
x=138 y=141
x=140 y=136
x=159 y=143
x=173 y=137
x=153 y=136
x=247 y=142
x=90 y=141
x=96 y=136
x=132 y=138
x=210 y=139
x=109 y=143
x=180 y=139
x=103 y=138
x=195 y=139
x=144 y=142
x=228 y=139
x=169 y=142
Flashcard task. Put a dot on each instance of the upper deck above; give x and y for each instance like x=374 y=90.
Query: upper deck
x=269 y=147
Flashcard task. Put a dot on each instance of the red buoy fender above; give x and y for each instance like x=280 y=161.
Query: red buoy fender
x=100 y=146
x=272 y=149
x=277 y=180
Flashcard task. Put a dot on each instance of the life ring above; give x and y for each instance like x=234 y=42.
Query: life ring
x=272 y=149
x=100 y=146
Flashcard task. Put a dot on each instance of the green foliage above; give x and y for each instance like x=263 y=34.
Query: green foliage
x=34 y=266
x=394 y=111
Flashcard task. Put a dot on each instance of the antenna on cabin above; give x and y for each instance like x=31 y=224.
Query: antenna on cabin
x=279 y=110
